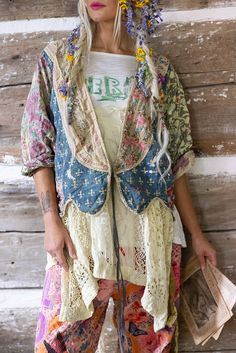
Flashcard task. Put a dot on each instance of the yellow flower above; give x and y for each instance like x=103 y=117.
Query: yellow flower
x=63 y=96
x=140 y=3
x=69 y=57
x=140 y=54
x=140 y=51
x=123 y=4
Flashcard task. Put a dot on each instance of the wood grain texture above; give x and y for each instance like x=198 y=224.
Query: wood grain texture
x=194 y=48
x=26 y=9
x=214 y=200
x=21 y=201
x=30 y=9
x=198 y=47
x=213 y=115
x=22 y=260
x=19 y=208
x=20 y=53
x=195 y=4
x=18 y=329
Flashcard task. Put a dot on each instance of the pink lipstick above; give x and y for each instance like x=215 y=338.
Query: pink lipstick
x=96 y=5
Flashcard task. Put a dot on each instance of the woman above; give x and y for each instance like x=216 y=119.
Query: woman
x=106 y=135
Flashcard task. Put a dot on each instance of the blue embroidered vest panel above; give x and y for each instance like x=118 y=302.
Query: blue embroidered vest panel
x=87 y=187
x=140 y=185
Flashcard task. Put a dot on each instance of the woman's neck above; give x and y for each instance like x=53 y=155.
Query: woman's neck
x=103 y=40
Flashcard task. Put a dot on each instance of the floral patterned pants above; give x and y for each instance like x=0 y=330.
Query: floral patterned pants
x=54 y=336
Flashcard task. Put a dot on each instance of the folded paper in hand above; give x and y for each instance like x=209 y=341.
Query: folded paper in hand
x=206 y=300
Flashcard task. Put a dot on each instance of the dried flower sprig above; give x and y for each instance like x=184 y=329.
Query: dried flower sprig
x=70 y=56
x=143 y=18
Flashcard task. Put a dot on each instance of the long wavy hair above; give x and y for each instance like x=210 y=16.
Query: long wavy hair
x=87 y=31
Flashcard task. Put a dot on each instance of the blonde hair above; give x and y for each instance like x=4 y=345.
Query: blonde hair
x=87 y=28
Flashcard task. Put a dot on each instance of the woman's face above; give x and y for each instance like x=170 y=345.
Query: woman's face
x=102 y=10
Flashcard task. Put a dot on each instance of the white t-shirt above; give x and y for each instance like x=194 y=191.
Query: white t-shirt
x=109 y=78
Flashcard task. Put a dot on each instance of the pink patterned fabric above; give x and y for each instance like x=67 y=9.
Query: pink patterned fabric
x=54 y=336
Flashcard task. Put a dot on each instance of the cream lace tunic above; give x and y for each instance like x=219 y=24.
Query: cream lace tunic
x=145 y=239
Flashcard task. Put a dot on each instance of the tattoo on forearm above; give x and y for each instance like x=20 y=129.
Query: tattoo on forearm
x=45 y=202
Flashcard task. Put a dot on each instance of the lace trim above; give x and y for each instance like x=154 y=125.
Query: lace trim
x=158 y=230
x=145 y=260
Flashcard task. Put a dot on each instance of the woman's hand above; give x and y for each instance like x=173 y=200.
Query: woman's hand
x=202 y=249
x=183 y=201
x=56 y=240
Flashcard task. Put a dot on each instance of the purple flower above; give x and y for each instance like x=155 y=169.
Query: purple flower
x=63 y=89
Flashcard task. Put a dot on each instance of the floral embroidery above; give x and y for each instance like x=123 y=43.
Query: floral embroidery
x=37 y=130
x=137 y=134
x=177 y=119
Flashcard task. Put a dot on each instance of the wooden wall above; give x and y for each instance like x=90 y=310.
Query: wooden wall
x=199 y=36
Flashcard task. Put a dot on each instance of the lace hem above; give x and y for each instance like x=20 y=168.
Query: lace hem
x=149 y=264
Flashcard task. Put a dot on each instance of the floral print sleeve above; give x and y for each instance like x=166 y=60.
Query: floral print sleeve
x=37 y=130
x=177 y=119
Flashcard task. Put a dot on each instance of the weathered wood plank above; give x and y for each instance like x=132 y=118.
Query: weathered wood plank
x=214 y=200
x=212 y=114
x=194 y=48
x=198 y=47
x=19 y=9
x=19 y=208
x=20 y=53
x=17 y=330
x=23 y=258
x=195 y=4
x=206 y=191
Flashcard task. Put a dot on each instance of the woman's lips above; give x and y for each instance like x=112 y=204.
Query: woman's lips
x=96 y=5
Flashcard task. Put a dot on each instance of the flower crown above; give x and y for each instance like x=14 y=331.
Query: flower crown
x=143 y=17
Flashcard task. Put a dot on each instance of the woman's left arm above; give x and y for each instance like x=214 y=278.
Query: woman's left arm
x=183 y=202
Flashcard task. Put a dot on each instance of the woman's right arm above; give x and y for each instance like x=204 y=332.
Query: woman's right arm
x=56 y=238
x=38 y=136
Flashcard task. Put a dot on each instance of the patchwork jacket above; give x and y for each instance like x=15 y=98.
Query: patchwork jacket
x=54 y=115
